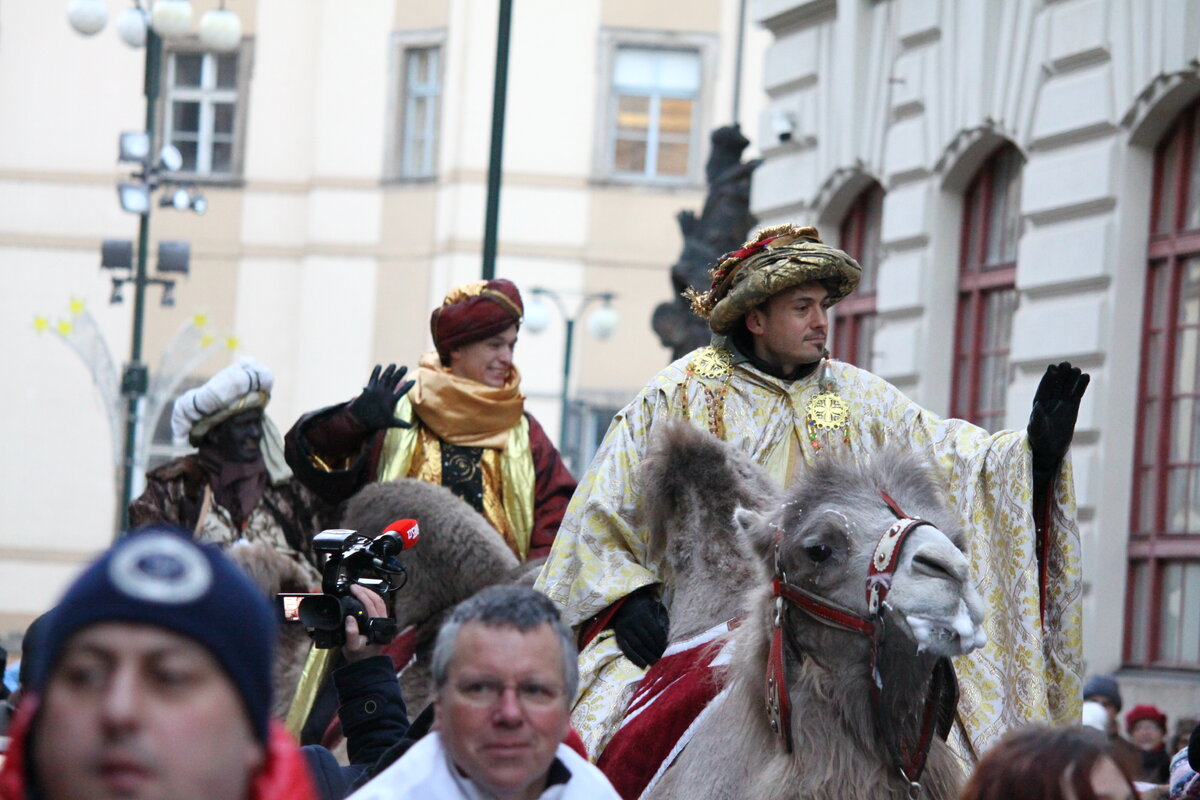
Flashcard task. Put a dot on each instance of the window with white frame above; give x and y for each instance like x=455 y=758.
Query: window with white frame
x=203 y=92
x=653 y=112
x=419 y=112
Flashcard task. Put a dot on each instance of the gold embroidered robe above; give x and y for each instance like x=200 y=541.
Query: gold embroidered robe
x=1023 y=674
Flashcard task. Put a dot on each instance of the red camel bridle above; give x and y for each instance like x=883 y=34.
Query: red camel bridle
x=910 y=762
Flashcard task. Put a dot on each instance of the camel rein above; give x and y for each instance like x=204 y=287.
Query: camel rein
x=909 y=763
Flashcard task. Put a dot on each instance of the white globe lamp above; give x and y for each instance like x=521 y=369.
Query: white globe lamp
x=87 y=16
x=220 y=30
x=131 y=27
x=602 y=323
x=172 y=18
x=537 y=315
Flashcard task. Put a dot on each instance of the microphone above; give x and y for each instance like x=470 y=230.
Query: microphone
x=406 y=531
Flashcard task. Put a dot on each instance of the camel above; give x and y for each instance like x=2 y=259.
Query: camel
x=722 y=526
x=458 y=554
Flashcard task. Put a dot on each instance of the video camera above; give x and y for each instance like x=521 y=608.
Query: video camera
x=351 y=558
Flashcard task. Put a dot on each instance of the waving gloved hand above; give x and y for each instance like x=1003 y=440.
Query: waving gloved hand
x=375 y=407
x=1055 y=408
x=640 y=626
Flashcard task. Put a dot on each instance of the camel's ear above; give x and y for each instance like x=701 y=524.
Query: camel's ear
x=755 y=532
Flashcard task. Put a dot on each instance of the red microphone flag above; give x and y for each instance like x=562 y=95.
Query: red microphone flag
x=407 y=529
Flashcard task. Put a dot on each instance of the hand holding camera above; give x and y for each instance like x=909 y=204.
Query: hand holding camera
x=358 y=569
x=358 y=646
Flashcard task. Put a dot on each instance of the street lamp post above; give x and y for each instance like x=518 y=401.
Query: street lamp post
x=491 y=216
x=220 y=31
x=136 y=378
x=602 y=324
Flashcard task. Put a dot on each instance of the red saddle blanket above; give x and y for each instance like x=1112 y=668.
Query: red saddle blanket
x=677 y=692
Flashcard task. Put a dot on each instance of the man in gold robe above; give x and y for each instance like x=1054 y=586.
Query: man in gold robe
x=767 y=385
x=463 y=425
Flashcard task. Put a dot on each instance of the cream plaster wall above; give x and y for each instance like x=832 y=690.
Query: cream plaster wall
x=549 y=129
x=419 y=16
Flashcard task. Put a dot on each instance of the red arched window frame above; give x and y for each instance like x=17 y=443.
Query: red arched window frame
x=1162 y=619
x=855 y=320
x=987 y=294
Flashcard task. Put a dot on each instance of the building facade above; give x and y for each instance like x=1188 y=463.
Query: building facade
x=1020 y=181
x=342 y=150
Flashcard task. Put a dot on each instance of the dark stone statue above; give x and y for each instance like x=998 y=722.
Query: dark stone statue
x=721 y=228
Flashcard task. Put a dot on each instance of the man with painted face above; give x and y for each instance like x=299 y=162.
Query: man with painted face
x=236 y=486
x=767 y=385
x=463 y=425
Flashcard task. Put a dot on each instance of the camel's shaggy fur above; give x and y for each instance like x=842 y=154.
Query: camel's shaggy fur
x=698 y=489
x=458 y=554
x=274 y=572
x=840 y=751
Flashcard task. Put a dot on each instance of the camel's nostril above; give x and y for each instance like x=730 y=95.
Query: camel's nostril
x=934 y=567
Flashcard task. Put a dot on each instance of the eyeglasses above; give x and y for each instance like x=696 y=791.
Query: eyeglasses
x=485 y=693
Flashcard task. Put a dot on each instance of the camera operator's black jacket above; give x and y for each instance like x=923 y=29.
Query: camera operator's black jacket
x=373 y=718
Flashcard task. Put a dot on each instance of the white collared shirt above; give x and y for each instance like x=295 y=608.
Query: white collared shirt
x=425 y=772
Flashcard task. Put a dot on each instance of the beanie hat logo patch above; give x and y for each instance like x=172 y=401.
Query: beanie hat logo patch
x=160 y=568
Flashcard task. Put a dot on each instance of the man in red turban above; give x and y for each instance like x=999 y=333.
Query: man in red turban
x=463 y=425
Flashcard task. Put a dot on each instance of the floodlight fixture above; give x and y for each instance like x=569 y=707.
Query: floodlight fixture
x=115 y=298
x=135 y=197
x=116 y=254
x=134 y=146
x=171 y=158
x=199 y=203
x=174 y=257
x=168 y=294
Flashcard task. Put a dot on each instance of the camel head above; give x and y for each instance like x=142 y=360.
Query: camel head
x=829 y=526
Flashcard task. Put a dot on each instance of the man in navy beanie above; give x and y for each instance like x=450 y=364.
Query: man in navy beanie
x=153 y=682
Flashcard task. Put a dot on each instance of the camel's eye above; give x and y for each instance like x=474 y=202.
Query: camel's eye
x=818 y=552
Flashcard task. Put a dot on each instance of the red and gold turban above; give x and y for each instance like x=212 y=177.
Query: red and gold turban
x=474 y=311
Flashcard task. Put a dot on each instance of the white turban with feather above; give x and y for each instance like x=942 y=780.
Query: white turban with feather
x=237 y=388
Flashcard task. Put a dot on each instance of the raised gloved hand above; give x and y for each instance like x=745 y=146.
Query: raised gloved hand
x=640 y=626
x=1055 y=408
x=375 y=407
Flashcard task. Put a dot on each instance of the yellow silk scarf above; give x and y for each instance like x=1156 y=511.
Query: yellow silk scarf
x=466 y=412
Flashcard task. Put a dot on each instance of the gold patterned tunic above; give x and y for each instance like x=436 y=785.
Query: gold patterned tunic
x=1025 y=673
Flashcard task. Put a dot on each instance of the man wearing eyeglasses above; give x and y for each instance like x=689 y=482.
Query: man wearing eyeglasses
x=504 y=666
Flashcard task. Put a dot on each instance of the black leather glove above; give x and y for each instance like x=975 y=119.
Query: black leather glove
x=640 y=626
x=375 y=407
x=1055 y=408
